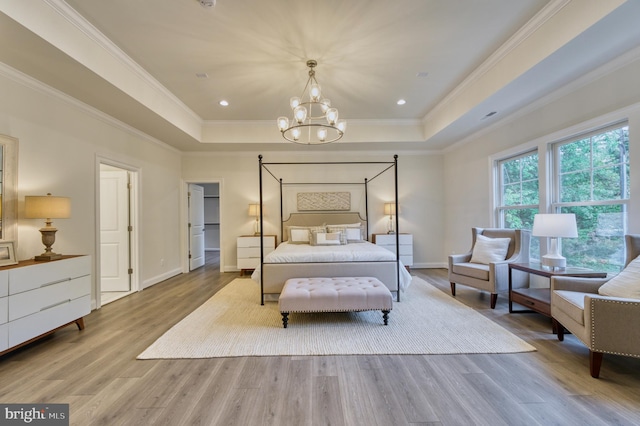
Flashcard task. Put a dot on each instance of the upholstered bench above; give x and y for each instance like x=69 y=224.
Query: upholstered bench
x=345 y=294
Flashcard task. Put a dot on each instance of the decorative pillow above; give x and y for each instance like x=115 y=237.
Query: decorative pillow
x=301 y=234
x=626 y=284
x=325 y=238
x=352 y=232
x=487 y=250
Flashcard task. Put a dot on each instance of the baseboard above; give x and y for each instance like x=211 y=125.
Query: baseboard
x=430 y=265
x=159 y=278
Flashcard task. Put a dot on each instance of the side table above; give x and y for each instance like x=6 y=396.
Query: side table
x=539 y=299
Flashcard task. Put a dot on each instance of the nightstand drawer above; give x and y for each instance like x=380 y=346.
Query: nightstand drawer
x=249 y=263
x=250 y=252
x=269 y=241
x=390 y=239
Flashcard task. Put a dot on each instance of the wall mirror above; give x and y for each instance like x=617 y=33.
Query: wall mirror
x=9 y=188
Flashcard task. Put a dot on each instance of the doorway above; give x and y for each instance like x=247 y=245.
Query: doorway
x=116 y=237
x=203 y=223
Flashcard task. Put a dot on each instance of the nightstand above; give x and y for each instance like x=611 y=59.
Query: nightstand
x=388 y=241
x=249 y=250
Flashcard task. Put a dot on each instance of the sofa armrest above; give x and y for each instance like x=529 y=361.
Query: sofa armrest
x=583 y=285
x=611 y=320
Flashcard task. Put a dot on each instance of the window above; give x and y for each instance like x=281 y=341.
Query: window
x=591 y=180
x=518 y=198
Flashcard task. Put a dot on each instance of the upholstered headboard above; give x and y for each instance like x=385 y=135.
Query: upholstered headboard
x=315 y=219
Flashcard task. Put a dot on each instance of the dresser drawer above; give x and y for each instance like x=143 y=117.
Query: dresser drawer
x=30 y=302
x=4 y=283
x=47 y=273
x=4 y=337
x=4 y=310
x=46 y=320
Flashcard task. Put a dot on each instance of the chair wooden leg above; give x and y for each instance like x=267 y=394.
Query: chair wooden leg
x=494 y=299
x=595 y=362
x=453 y=289
x=559 y=329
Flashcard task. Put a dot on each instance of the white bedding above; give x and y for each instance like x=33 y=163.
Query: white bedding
x=355 y=252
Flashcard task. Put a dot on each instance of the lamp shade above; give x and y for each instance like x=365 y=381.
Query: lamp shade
x=389 y=208
x=561 y=225
x=254 y=210
x=47 y=207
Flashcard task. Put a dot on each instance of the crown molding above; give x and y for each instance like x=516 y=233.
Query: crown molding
x=530 y=28
x=621 y=61
x=93 y=34
x=38 y=86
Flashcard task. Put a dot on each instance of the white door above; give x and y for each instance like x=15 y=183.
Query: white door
x=196 y=226
x=114 y=230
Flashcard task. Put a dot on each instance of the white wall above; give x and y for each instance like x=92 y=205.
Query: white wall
x=420 y=195
x=606 y=96
x=59 y=142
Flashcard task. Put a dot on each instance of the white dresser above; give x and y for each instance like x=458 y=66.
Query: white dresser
x=249 y=250
x=388 y=241
x=37 y=298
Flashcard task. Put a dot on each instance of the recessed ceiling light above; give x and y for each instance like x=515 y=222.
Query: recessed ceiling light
x=224 y=103
x=401 y=102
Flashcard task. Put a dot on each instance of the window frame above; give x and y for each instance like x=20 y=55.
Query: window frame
x=555 y=205
x=500 y=206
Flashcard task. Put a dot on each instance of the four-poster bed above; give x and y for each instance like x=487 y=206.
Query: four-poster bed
x=320 y=239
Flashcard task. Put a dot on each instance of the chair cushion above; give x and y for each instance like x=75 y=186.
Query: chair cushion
x=626 y=284
x=487 y=250
x=571 y=303
x=474 y=270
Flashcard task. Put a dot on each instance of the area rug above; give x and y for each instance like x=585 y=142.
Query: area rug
x=426 y=321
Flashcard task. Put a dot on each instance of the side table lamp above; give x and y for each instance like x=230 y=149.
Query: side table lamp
x=554 y=226
x=390 y=209
x=254 y=211
x=47 y=207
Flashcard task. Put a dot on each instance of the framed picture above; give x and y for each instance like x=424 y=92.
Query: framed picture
x=7 y=253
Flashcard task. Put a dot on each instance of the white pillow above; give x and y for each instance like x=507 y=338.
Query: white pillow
x=487 y=250
x=354 y=235
x=626 y=284
x=299 y=236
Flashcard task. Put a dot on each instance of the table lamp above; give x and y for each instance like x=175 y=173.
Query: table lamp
x=47 y=207
x=554 y=226
x=390 y=209
x=254 y=211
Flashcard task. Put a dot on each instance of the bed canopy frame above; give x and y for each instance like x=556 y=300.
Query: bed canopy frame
x=268 y=168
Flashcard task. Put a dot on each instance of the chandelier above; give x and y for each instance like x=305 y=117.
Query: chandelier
x=314 y=120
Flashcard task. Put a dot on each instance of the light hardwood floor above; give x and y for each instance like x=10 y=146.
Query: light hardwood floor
x=96 y=372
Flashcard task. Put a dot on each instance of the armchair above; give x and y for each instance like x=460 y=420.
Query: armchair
x=492 y=276
x=605 y=324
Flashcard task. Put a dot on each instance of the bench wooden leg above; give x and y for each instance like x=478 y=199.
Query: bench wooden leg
x=385 y=317
x=285 y=319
